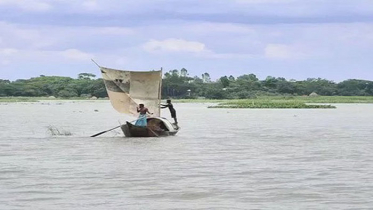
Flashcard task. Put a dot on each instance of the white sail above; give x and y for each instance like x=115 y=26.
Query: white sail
x=128 y=89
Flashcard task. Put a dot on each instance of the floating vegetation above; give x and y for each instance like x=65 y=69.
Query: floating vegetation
x=18 y=99
x=56 y=132
x=268 y=104
x=329 y=99
x=301 y=99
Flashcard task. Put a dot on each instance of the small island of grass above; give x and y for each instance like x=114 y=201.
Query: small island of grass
x=268 y=104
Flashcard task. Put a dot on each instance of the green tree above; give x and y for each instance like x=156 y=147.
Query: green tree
x=86 y=76
x=354 y=87
x=247 y=82
x=177 y=83
x=206 y=77
x=224 y=81
x=183 y=72
x=286 y=87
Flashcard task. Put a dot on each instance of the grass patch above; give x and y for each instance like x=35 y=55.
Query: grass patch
x=279 y=99
x=264 y=104
x=329 y=99
x=197 y=100
x=271 y=105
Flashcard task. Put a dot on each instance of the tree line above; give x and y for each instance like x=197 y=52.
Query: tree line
x=178 y=84
x=65 y=87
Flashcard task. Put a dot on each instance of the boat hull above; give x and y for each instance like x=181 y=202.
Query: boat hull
x=168 y=129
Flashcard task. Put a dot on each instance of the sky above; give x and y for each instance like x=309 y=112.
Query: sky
x=295 y=39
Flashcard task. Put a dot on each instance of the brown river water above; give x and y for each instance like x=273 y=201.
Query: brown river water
x=221 y=159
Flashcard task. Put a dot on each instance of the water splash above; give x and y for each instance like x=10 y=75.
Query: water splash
x=54 y=131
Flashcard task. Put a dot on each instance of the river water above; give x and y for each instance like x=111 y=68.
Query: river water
x=221 y=159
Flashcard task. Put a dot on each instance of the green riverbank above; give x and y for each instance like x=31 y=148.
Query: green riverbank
x=263 y=102
x=284 y=102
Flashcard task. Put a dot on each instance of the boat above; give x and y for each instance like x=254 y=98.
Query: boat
x=127 y=89
x=156 y=127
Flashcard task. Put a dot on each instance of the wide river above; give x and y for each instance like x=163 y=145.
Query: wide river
x=221 y=159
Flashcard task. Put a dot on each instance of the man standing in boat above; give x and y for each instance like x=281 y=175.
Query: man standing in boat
x=141 y=121
x=171 y=108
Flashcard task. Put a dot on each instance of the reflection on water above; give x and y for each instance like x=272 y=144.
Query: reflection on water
x=221 y=159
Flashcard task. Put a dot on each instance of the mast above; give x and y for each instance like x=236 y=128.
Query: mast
x=160 y=91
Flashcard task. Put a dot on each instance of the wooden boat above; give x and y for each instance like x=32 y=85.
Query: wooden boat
x=156 y=127
x=127 y=89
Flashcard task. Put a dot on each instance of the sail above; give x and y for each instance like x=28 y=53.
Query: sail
x=128 y=89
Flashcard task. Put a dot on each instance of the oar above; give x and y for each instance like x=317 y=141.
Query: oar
x=156 y=135
x=105 y=131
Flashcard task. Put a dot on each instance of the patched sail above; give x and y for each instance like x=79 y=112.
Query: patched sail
x=128 y=89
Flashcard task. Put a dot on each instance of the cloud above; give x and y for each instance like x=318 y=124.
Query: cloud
x=5 y=54
x=76 y=54
x=28 y=5
x=277 y=51
x=210 y=28
x=120 y=31
x=8 y=51
x=195 y=34
x=264 y=1
x=24 y=36
x=30 y=37
x=132 y=13
x=227 y=56
x=196 y=49
x=90 y=5
x=4 y=62
x=69 y=55
x=174 y=45
x=282 y=51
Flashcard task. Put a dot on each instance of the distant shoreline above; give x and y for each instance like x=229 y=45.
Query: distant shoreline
x=260 y=102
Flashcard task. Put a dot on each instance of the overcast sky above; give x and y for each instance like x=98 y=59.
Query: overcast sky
x=295 y=39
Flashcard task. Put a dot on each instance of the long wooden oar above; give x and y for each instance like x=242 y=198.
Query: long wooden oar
x=156 y=135
x=105 y=131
